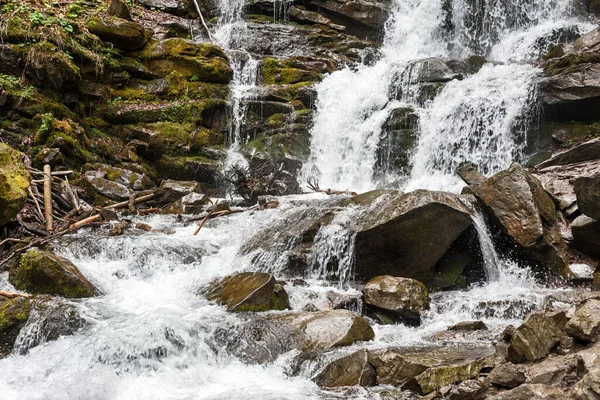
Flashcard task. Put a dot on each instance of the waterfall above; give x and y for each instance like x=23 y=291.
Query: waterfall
x=483 y=118
x=491 y=260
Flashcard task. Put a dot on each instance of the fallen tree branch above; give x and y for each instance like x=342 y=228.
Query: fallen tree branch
x=203 y=221
x=125 y=203
x=13 y=295
x=314 y=186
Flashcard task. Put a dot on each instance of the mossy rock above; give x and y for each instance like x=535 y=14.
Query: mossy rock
x=196 y=168
x=279 y=146
x=13 y=315
x=123 y=34
x=276 y=72
x=198 y=61
x=14 y=181
x=249 y=291
x=45 y=273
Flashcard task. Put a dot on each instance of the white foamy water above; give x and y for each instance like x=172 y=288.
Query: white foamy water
x=484 y=119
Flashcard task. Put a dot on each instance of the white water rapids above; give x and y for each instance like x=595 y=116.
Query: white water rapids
x=150 y=335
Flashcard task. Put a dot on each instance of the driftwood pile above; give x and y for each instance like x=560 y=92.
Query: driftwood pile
x=56 y=209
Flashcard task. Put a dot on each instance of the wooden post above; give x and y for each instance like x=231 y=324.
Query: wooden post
x=48 y=196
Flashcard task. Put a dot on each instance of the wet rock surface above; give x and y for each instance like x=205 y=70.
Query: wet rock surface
x=248 y=291
x=537 y=336
x=42 y=272
x=399 y=297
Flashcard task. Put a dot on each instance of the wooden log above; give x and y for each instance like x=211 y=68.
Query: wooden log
x=138 y=200
x=48 y=196
x=13 y=295
x=84 y=221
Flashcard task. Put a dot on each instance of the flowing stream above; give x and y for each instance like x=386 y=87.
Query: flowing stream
x=151 y=335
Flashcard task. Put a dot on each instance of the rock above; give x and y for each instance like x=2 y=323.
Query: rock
x=13 y=315
x=555 y=371
x=112 y=190
x=192 y=203
x=351 y=370
x=469 y=326
x=559 y=181
x=14 y=182
x=470 y=175
x=588 y=387
x=46 y=273
x=126 y=177
x=507 y=376
x=119 y=9
x=49 y=319
x=402 y=297
x=585 y=323
x=123 y=34
x=586 y=235
x=143 y=227
x=531 y=391
x=426 y=369
x=581 y=272
x=327 y=329
x=537 y=336
x=471 y=389
x=342 y=301
x=248 y=291
x=408 y=234
x=171 y=190
x=201 y=61
x=518 y=202
x=587 y=151
x=587 y=190
x=311 y=17
x=367 y=16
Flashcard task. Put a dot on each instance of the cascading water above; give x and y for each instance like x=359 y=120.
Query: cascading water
x=152 y=335
x=232 y=34
x=482 y=119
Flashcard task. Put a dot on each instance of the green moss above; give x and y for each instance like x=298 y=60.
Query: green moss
x=278 y=146
x=15 y=87
x=275 y=72
x=13 y=313
x=569 y=62
x=42 y=272
x=14 y=181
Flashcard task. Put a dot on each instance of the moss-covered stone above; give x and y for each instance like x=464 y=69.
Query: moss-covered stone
x=13 y=315
x=14 y=181
x=123 y=34
x=279 y=146
x=200 y=61
x=280 y=72
x=46 y=273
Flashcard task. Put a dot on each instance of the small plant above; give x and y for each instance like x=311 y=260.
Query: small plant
x=37 y=18
x=195 y=78
x=74 y=10
x=46 y=125
x=66 y=26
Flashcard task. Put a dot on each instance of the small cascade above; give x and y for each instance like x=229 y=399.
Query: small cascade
x=481 y=119
x=331 y=257
x=491 y=260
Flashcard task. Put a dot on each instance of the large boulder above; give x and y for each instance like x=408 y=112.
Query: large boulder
x=327 y=329
x=248 y=291
x=13 y=315
x=191 y=203
x=123 y=34
x=586 y=235
x=46 y=273
x=557 y=371
x=537 y=336
x=171 y=190
x=426 y=369
x=587 y=190
x=98 y=185
x=363 y=17
x=572 y=89
x=403 y=298
x=351 y=370
x=199 y=61
x=14 y=182
x=585 y=323
x=407 y=234
x=532 y=391
x=519 y=204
